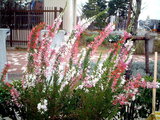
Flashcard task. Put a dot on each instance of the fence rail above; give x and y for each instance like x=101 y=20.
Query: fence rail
x=21 y=22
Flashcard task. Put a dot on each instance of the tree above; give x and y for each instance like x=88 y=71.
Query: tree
x=93 y=7
x=13 y=4
x=126 y=10
x=119 y=8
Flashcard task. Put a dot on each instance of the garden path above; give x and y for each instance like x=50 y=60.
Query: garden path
x=18 y=61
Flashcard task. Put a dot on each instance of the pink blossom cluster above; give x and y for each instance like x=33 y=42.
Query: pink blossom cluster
x=88 y=84
x=79 y=29
x=33 y=38
x=117 y=73
x=40 y=51
x=4 y=72
x=99 y=39
x=121 y=66
x=130 y=90
x=43 y=59
x=15 y=96
x=55 y=26
x=121 y=99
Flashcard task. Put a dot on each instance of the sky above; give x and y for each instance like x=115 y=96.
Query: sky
x=150 y=8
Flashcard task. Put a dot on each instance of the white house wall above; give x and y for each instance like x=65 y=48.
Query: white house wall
x=68 y=19
x=54 y=3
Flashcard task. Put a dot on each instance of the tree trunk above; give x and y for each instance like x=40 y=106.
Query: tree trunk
x=129 y=14
x=136 y=16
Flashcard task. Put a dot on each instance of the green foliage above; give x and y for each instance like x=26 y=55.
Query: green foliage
x=113 y=38
x=4 y=93
x=94 y=104
x=93 y=7
x=88 y=38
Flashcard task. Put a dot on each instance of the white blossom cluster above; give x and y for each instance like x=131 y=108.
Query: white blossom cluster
x=29 y=80
x=82 y=55
x=42 y=106
x=128 y=44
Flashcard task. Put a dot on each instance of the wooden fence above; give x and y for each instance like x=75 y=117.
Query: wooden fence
x=21 y=22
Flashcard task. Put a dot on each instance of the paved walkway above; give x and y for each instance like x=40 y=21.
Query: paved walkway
x=18 y=61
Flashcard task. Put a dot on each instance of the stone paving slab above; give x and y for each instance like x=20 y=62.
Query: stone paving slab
x=17 y=60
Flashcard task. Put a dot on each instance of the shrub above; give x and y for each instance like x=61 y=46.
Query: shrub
x=88 y=38
x=60 y=84
x=113 y=38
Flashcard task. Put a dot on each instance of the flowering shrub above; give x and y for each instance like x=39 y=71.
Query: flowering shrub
x=65 y=83
x=141 y=107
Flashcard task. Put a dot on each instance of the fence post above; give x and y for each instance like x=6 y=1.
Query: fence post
x=28 y=19
x=61 y=10
x=147 y=56
x=55 y=14
x=11 y=37
x=155 y=80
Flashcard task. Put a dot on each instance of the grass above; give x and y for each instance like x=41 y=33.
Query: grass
x=101 y=49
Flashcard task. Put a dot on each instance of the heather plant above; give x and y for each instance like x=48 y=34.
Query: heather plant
x=139 y=67
x=63 y=83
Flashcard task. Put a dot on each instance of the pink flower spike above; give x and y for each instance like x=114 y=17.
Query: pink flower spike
x=15 y=96
x=99 y=39
x=126 y=35
x=4 y=72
